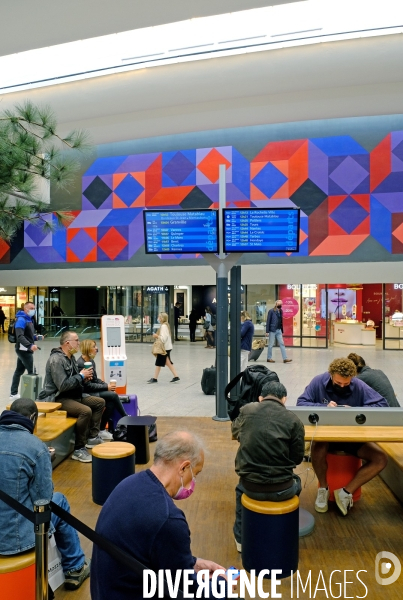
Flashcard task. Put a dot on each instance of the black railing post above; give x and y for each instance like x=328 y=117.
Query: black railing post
x=42 y=513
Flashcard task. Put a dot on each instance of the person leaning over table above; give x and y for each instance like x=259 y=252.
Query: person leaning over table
x=375 y=378
x=340 y=387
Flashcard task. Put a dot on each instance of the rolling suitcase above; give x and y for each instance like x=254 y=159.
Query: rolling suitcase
x=130 y=405
x=208 y=381
x=30 y=386
x=254 y=354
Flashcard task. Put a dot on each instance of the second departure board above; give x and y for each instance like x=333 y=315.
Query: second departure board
x=180 y=231
x=261 y=229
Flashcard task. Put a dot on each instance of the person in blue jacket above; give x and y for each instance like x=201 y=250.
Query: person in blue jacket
x=25 y=346
x=274 y=331
x=340 y=387
x=247 y=331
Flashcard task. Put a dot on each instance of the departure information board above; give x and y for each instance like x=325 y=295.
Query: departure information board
x=180 y=231
x=261 y=229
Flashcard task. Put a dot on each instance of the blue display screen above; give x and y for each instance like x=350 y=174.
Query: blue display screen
x=180 y=231
x=261 y=229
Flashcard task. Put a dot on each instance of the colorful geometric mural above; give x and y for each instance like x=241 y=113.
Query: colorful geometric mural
x=346 y=194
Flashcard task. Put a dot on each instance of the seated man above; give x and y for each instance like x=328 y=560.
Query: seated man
x=141 y=518
x=340 y=387
x=271 y=445
x=64 y=383
x=26 y=475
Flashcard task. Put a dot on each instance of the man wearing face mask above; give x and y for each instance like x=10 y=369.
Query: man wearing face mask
x=142 y=519
x=65 y=383
x=26 y=476
x=25 y=346
x=274 y=331
x=340 y=387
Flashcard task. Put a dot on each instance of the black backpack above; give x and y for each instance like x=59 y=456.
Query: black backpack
x=253 y=379
x=213 y=320
x=11 y=333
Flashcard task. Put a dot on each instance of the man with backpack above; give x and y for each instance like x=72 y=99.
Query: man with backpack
x=271 y=445
x=25 y=346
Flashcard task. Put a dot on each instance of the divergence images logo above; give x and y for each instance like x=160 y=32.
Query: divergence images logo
x=384 y=568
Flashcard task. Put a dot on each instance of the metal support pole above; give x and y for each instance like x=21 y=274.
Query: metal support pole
x=222 y=343
x=235 y=327
x=41 y=549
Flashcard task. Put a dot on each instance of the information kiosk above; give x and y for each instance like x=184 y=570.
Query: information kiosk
x=114 y=351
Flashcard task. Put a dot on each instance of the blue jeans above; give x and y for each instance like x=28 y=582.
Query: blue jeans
x=67 y=538
x=294 y=490
x=273 y=335
x=25 y=360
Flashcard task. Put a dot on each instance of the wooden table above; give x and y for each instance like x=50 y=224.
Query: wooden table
x=44 y=407
x=358 y=433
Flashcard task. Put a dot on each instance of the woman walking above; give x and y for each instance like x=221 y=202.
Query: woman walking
x=209 y=319
x=247 y=331
x=162 y=360
x=97 y=387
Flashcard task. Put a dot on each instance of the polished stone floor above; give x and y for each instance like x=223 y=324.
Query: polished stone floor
x=186 y=398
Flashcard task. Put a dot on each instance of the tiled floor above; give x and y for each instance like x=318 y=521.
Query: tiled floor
x=186 y=397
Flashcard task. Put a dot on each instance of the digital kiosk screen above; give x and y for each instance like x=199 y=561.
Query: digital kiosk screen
x=261 y=229
x=180 y=231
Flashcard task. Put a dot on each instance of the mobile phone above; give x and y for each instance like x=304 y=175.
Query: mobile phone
x=232 y=573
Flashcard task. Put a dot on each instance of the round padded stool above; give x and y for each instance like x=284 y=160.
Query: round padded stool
x=111 y=463
x=341 y=469
x=17 y=576
x=269 y=537
x=306 y=522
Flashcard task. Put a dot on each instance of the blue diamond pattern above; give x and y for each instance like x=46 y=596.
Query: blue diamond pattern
x=129 y=190
x=349 y=214
x=269 y=180
x=81 y=244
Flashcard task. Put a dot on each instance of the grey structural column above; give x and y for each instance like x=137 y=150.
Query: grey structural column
x=235 y=327
x=221 y=263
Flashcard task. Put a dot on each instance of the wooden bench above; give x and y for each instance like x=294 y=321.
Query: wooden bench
x=44 y=407
x=392 y=474
x=56 y=429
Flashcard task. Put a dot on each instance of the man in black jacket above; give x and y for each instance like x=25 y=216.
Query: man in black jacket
x=271 y=445
x=25 y=346
x=274 y=331
x=64 y=382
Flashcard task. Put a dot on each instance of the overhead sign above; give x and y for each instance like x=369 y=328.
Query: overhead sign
x=180 y=231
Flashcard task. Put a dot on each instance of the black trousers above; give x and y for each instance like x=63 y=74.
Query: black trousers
x=112 y=401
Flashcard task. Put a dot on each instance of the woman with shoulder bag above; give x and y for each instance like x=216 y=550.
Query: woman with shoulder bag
x=162 y=360
x=209 y=328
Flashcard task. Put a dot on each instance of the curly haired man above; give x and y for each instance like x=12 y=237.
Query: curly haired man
x=340 y=387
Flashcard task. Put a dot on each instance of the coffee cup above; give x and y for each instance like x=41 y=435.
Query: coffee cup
x=113 y=382
x=88 y=365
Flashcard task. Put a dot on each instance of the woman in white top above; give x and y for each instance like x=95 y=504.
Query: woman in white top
x=161 y=360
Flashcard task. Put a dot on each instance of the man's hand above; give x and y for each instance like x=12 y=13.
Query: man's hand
x=332 y=404
x=33 y=348
x=209 y=565
x=266 y=334
x=112 y=386
x=87 y=373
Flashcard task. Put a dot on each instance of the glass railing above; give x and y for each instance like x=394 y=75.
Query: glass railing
x=87 y=327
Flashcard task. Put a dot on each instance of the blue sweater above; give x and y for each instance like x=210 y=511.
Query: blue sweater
x=141 y=518
x=320 y=391
x=247 y=331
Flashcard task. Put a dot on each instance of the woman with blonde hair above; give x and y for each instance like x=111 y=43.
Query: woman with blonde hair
x=97 y=387
x=162 y=360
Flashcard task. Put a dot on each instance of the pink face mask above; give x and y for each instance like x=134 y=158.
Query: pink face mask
x=183 y=492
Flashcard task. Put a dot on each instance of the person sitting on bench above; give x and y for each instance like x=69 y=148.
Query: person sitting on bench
x=340 y=387
x=26 y=476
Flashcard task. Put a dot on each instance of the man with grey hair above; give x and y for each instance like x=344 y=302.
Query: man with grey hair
x=271 y=445
x=142 y=519
x=65 y=383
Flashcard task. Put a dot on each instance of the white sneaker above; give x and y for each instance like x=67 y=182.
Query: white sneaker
x=105 y=435
x=14 y=396
x=322 y=500
x=344 y=500
x=238 y=545
x=82 y=455
x=92 y=442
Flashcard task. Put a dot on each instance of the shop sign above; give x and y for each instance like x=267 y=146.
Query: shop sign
x=398 y=286
x=290 y=307
x=157 y=289
x=305 y=286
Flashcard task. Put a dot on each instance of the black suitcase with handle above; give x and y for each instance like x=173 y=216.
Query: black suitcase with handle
x=208 y=381
x=254 y=354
